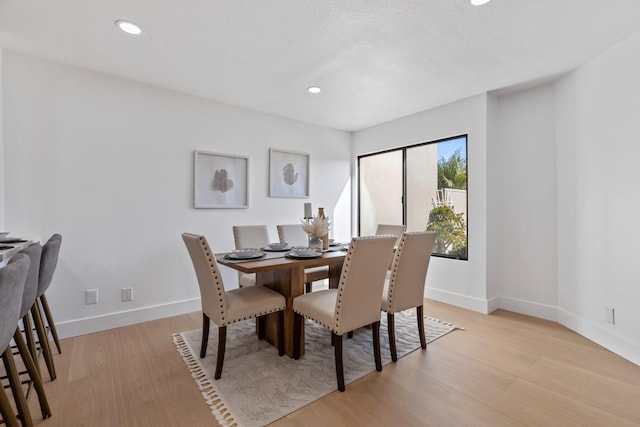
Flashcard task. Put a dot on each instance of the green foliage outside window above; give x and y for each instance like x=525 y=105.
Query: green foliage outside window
x=451 y=228
x=452 y=172
x=452 y=239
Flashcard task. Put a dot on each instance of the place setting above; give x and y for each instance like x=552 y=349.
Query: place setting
x=303 y=253
x=245 y=254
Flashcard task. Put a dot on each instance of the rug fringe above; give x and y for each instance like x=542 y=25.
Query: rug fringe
x=453 y=325
x=209 y=391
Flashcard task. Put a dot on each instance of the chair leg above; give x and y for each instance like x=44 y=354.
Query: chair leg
x=6 y=411
x=391 y=327
x=337 y=349
x=31 y=342
x=205 y=335
x=50 y=322
x=297 y=330
x=222 y=343
x=281 y=333
x=33 y=374
x=420 y=315
x=16 y=388
x=44 y=341
x=375 y=330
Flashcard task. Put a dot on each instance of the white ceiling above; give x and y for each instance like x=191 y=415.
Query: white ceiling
x=376 y=60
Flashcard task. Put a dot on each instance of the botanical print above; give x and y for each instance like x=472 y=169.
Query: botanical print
x=288 y=174
x=220 y=181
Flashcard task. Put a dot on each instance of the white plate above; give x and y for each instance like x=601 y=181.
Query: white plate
x=286 y=248
x=304 y=255
x=245 y=255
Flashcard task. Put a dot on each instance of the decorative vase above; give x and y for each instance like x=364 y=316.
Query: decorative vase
x=325 y=238
x=315 y=243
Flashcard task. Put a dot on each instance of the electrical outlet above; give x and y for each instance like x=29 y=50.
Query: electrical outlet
x=91 y=296
x=127 y=294
x=610 y=315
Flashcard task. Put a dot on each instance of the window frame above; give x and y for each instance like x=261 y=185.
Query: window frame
x=404 y=150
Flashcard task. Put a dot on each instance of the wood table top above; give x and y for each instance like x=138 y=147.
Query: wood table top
x=279 y=263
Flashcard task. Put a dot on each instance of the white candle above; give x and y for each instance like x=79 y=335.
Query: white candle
x=307 y=210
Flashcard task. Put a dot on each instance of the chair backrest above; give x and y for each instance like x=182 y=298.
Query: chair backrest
x=48 y=263
x=12 y=279
x=214 y=303
x=361 y=282
x=34 y=252
x=250 y=236
x=409 y=270
x=394 y=229
x=293 y=234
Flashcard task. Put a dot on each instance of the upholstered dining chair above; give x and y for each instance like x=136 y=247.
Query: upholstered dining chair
x=12 y=278
x=356 y=301
x=394 y=229
x=249 y=236
x=29 y=305
x=48 y=263
x=295 y=236
x=227 y=307
x=404 y=289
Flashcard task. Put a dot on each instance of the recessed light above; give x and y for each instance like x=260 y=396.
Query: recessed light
x=314 y=89
x=128 y=27
x=479 y=2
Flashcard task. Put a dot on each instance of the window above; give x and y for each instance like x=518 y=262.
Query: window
x=423 y=186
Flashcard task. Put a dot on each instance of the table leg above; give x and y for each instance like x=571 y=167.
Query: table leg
x=335 y=270
x=290 y=283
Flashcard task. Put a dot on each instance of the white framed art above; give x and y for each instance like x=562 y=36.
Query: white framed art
x=288 y=174
x=220 y=180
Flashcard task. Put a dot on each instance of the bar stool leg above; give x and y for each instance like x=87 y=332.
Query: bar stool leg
x=16 y=388
x=6 y=411
x=50 y=322
x=44 y=341
x=33 y=373
x=28 y=334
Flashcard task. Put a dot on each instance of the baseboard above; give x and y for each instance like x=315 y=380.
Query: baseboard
x=603 y=336
x=104 y=322
x=542 y=311
x=459 y=300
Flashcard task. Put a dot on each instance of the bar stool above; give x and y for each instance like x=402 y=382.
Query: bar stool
x=28 y=350
x=34 y=252
x=48 y=264
x=12 y=278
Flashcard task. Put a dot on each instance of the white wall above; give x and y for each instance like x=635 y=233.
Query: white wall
x=598 y=226
x=462 y=283
x=108 y=163
x=522 y=202
x=1 y=149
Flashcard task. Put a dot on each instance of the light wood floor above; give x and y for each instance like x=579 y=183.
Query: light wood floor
x=503 y=369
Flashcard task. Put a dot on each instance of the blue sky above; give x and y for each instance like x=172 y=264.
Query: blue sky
x=447 y=148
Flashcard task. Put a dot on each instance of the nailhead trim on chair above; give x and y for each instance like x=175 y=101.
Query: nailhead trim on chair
x=345 y=269
x=220 y=292
x=257 y=315
x=394 y=270
x=219 y=289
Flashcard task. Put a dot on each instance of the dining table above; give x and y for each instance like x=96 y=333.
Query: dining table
x=10 y=246
x=286 y=275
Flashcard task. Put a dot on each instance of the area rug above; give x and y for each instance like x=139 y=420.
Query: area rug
x=258 y=387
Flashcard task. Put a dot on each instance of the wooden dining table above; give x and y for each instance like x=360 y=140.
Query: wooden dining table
x=9 y=247
x=286 y=275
